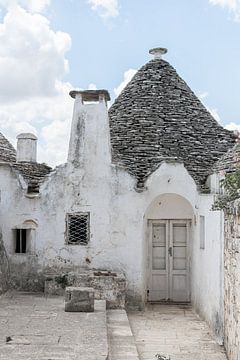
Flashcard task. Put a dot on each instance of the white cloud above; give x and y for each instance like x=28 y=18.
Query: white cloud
x=105 y=8
x=203 y=95
x=127 y=77
x=30 y=5
x=47 y=117
x=214 y=113
x=233 y=126
x=34 y=97
x=232 y=5
x=32 y=56
x=92 y=87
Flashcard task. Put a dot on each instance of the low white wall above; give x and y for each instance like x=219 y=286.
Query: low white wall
x=207 y=267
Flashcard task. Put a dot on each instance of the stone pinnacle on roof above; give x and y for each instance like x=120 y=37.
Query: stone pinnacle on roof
x=157 y=117
x=158 y=52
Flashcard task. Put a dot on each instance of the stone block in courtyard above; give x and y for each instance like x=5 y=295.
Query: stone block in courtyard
x=79 y=299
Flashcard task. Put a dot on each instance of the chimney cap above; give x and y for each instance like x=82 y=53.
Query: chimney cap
x=90 y=95
x=158 y=52
x=26 y=136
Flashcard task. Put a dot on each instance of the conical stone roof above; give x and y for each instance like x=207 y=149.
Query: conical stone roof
x=158 y=118
x=7 y=151
x=229 y=162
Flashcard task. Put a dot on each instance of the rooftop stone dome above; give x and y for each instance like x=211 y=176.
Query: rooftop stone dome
x=7 y=151
x=158 y=118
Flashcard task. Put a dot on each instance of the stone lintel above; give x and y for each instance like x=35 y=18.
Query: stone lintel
x=91 y=95
x=26 y=136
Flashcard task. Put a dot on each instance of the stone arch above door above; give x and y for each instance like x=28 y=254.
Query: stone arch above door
x=170 y=206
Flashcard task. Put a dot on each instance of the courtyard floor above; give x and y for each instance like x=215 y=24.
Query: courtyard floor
x=175 y=331
x=34 y=327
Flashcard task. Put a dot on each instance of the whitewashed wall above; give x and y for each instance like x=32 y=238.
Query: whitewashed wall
x=118 y=217
x=207 y=267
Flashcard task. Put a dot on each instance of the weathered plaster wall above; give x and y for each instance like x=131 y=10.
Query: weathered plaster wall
x=118 y=217
x=17 y=210
x=232 y=283
x=207 y=266
x=4 y=267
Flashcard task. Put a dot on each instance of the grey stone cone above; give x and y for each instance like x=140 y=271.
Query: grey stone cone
x=157 y=117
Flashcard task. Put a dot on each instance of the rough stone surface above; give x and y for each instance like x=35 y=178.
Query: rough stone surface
x=121 y=341
x=33 y=173
x=33 y=327
x=79 y=299
x=230 y=161
x=232 y=282
x=174 y=331
x=4 y=267
x=7 y=151
x=157 y=117
x=107 y=285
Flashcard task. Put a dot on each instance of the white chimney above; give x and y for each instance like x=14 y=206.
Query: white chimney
x=26 y=147
x=89 y=146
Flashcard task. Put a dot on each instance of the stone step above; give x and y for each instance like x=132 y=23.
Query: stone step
x=121 y=341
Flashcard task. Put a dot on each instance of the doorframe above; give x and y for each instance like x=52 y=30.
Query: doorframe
x=188 y=221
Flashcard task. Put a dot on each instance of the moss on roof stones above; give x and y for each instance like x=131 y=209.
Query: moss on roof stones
x=156 y=118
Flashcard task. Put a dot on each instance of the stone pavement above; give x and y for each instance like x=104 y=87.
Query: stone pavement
x=121 y=341
x=175 y=331
x=37 y=328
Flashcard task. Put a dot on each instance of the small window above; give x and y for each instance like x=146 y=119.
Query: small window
x=78 y=229
x=20 y=241
x=202 y=232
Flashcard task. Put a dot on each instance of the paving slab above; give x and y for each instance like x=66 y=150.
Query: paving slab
x=35 y=327
x=174 y=331
x=121 y=341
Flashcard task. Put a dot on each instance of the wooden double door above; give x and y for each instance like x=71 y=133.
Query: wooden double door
x=168 y=261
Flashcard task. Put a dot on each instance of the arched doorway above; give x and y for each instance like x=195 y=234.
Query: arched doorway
x=169 y=238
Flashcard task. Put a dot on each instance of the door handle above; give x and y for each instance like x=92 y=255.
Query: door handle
x=170 y=251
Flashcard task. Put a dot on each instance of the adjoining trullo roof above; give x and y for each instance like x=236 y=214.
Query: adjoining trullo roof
x=33 y=172
x=158 y=118
x=7 y=151
x=229 y=162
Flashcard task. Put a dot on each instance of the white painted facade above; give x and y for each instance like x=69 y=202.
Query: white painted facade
x=119 y=218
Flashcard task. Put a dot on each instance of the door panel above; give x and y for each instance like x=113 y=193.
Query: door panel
x=158 y=261
x=169 y=260
x=159 y=246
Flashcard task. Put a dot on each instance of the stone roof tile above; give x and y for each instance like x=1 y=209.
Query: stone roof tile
x=229 y=162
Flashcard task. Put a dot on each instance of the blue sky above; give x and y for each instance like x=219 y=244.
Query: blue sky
x=62 y=44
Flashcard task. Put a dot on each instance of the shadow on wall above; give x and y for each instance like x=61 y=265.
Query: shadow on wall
x=4 y=267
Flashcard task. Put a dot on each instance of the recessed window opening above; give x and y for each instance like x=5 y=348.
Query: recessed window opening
x=20 y=241
x=78 y=231
x=202 y=232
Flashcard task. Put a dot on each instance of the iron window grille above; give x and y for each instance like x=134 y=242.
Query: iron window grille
x=78 y=228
